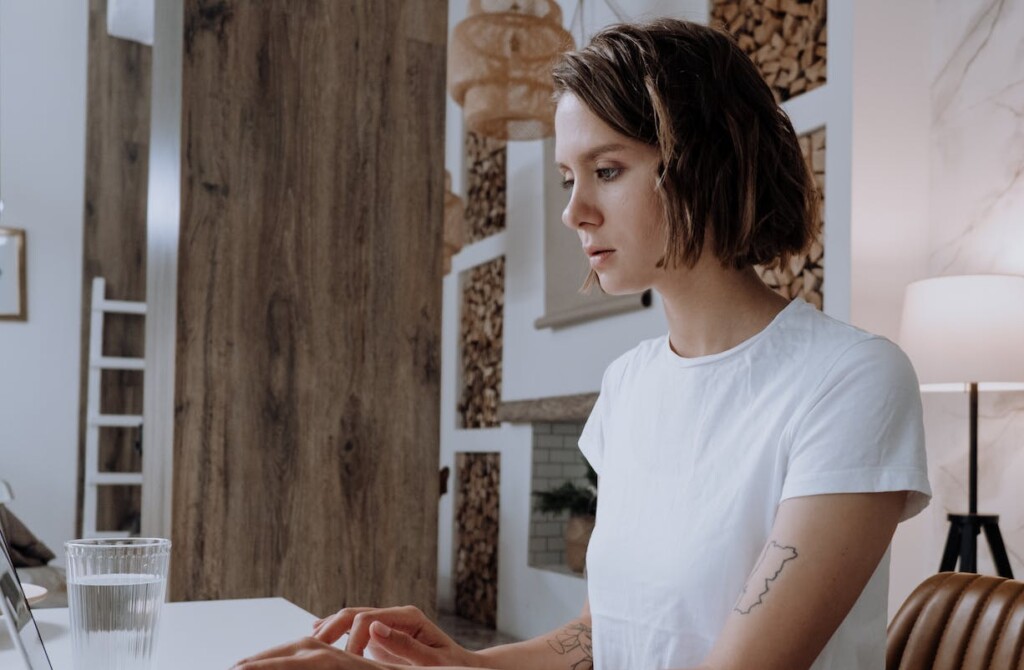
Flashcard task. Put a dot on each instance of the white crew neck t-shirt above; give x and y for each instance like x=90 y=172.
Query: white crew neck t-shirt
x=694 y=456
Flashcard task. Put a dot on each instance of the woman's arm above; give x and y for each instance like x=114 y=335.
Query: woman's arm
x=416 y=641
x=820 y=554
x=405 y=636
x=568 y=648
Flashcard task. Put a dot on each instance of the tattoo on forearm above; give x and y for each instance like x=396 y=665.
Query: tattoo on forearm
x=575 y=638
x=773 y=559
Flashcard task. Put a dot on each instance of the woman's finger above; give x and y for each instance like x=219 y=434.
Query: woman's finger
x=402 y=645
x=280 y=651
x=307 y=654
x=333 y=627
x=408 y=619
x=378 y=653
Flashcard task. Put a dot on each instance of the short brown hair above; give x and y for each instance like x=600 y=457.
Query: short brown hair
x=731 y=165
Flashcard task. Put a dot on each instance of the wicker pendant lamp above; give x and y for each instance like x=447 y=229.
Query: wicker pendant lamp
x=499 y=66
x=453 y=223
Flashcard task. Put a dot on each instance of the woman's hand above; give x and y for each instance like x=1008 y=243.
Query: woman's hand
x=307 y=654
x=398 y=635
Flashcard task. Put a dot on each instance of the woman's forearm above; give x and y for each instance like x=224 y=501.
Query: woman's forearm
x=567 y=648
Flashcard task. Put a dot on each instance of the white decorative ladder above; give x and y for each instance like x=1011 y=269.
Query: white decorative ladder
x=94 y=420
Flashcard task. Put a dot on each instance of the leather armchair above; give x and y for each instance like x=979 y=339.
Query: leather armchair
x=959 y=621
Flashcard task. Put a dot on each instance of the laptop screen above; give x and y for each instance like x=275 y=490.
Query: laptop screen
x=17 y=615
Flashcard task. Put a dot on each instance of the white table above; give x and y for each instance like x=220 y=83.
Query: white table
x=210 y=635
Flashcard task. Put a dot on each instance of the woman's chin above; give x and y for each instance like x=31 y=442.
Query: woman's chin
x=612 y=287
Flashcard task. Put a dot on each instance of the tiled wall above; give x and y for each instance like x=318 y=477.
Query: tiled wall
x=556 y=458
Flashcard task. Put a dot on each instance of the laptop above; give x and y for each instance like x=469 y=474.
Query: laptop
x=17 y=616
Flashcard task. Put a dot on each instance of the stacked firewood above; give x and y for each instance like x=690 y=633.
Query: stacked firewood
x=786 y=39
x=485 y=186
x=483 y=309
x=804 y=274
x=476 y=520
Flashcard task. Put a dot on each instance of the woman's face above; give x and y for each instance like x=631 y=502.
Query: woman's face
x=613 y=206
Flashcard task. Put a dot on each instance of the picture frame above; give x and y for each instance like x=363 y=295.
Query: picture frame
x=13 y=292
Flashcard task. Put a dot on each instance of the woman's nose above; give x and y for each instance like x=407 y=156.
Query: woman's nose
x=580 y=211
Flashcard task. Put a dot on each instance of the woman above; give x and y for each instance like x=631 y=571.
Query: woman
x=754 y=462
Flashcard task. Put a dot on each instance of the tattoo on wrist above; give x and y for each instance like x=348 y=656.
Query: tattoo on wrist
x=769 y=566
x=572 y=639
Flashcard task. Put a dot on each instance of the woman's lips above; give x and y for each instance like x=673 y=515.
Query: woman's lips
x=600 y=257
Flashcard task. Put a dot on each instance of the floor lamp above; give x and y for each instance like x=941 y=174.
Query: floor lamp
x=960 y=332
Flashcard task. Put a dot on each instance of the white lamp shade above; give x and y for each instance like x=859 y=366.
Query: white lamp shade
x=965 y=329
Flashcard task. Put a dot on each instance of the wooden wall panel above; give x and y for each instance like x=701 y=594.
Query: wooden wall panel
x=309 y=302
x=116 y=175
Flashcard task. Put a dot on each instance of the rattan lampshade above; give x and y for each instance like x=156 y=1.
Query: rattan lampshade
x=499 y=66
x=453 y=223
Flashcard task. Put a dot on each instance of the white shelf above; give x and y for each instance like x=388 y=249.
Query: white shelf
x=120 y=307
x=116 y=479
x=116 y=420
x=114 y=363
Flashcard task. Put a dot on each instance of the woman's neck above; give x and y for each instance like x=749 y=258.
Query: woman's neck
x=711 y=308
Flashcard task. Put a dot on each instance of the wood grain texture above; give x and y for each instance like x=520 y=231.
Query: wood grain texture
x=486 y=186
x=309 y=302
x=482 y=337
x=477 y=513
x=114 y=246
x=558 y=408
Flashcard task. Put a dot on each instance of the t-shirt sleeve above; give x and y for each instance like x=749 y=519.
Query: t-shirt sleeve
x=592 y=439
x=862 y=431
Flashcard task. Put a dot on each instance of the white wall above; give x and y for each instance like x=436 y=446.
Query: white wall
x=890 y=106
x=888 y=162
x=43 y=45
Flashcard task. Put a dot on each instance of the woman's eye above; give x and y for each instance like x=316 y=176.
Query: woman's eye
x=567 y=184
x=608 y=174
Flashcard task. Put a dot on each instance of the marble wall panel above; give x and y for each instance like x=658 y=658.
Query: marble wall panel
x=977 y=226
x=977 y=137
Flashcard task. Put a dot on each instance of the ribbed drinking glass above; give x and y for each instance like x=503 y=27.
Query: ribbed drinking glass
x=115 y=593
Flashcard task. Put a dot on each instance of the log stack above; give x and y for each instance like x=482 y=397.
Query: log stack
x=476 y=518
x=786 y=39
x=482 y=326
x=804 y=275
x=485 y=187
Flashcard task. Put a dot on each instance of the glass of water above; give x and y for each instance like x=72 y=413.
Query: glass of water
x=115 y=592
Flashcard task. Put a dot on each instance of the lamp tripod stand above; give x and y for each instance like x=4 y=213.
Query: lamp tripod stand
x=962 y=541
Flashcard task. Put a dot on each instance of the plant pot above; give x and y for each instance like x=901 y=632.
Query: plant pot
x=577 y=536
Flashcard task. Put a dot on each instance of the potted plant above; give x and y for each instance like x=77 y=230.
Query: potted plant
x=581 y=503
